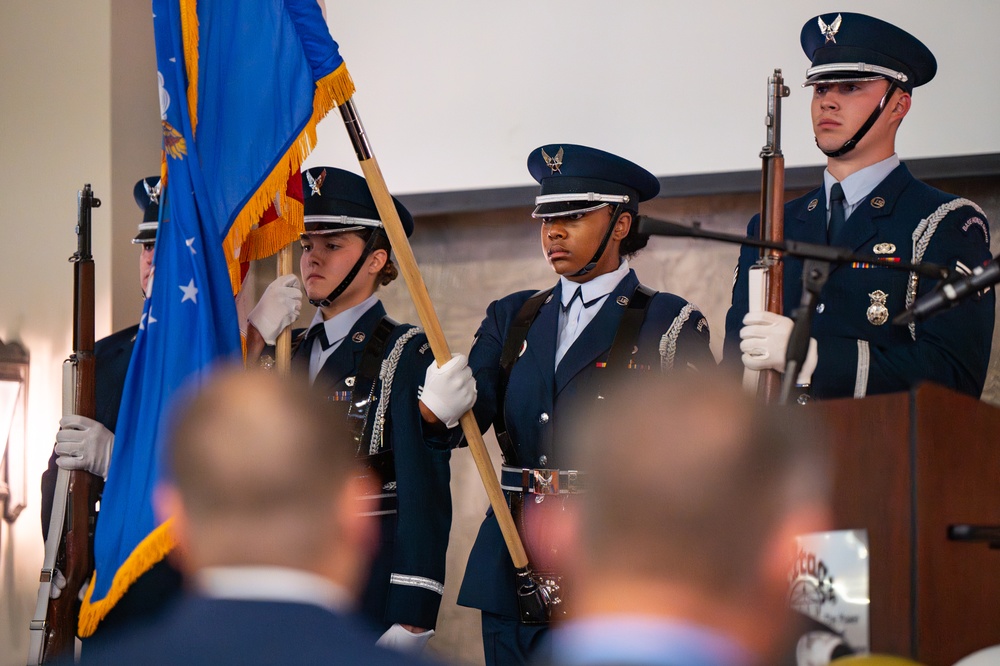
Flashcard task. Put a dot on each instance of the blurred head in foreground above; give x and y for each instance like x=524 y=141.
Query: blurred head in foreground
x=694 y=494
x=262 y=474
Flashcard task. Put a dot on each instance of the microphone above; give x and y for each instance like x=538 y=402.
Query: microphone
x=950 y=292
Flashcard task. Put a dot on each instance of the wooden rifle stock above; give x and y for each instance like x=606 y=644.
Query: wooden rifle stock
x=772 y=220
x=74 y=557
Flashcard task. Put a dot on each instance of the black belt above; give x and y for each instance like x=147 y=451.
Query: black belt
x=541 y=481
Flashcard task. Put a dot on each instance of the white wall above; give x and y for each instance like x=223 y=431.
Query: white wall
x=455 y=94
x=56 y=129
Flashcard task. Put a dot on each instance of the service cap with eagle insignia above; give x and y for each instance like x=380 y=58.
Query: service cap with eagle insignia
x=577 y=179
x=147 y=196
x=337 y=201
x=844 y=46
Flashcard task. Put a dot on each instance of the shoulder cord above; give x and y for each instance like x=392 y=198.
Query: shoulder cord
x=386 y=374
x=921 y=239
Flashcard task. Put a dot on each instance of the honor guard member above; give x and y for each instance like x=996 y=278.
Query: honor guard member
x=83 y=443
x=862 y=73
x=371 y=368
x=536 y=350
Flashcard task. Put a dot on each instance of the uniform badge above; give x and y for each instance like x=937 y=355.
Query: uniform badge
x=623 y=301
x=830 y=31
x=548 y=299
x=976 y=222
x=358 y=337
x=884 y=248
x=878 y=202
x=878 y=314
x=524 y=348
x=349 y=381
x=553 y=163
x=315 y=184
x=152 y=192
x=812 y=204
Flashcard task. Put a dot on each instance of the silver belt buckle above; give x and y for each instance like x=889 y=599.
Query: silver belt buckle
x=544 y=481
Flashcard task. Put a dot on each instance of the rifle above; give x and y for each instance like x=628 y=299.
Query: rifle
x=69 y=542
x=765 y=278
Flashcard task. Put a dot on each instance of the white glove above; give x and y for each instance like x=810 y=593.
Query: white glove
x=764 y=342
x=398 y=638
x=83 y=443
x=449 y=391
x=278 y=307
x=58 y=584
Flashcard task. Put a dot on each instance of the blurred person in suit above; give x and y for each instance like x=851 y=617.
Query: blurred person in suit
x=678 y=551
x=264 y=504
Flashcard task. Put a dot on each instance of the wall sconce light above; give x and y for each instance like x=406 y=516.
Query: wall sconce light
x=13 y=419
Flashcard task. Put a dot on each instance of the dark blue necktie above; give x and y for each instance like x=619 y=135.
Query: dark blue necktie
x=578 y=294
x=837 y=220
x=319 y=333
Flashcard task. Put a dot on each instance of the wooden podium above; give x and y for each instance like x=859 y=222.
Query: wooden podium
x=908 y=466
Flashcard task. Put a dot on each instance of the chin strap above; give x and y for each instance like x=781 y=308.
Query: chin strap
x=615 y=213
x=350 y=276
x=853 y=141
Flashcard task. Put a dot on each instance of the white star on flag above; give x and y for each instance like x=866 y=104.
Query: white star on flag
x=144 y=320
x=190 y=243
x=190 y=292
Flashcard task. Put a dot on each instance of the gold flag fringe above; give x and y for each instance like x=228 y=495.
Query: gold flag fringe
x=150 y=550
x=332 y=90
x=268 y=239
x=189 y=34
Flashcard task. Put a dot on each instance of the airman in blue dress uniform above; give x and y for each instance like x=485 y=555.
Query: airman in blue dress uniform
x=538 y=351
x=376 y=371
x=863 y=72
x=84 y=443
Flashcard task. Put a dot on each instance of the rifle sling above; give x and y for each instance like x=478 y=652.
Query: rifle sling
x=53 y=540
x=516 y=335
x=628 y=328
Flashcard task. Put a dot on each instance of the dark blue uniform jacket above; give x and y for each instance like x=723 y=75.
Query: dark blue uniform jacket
x=857 y=357
x=407 y=577
x=674 y=336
